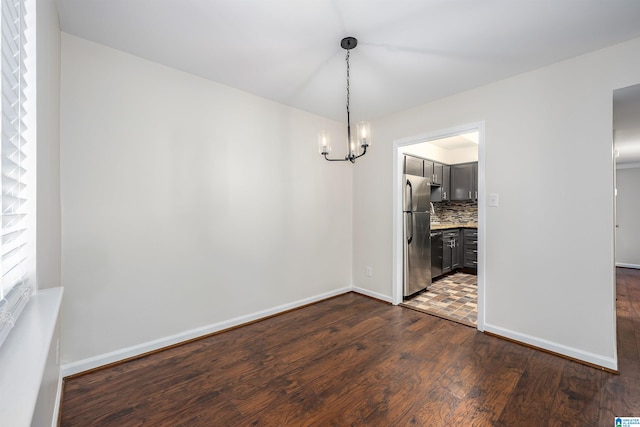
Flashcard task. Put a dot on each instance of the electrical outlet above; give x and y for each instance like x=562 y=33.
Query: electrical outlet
x=369 y=271
x=494 y=200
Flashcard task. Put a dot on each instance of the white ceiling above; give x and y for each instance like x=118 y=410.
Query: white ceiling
x=626 y=124
x=410 y=51
x=467 y=140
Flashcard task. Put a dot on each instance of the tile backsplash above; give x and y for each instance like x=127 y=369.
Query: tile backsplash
x=457 y=212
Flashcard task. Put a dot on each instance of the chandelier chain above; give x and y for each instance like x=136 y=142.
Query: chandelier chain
x=348 y=93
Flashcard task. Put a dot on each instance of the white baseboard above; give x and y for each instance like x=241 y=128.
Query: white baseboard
x=372 y=294
x=136 y=350
x=622 y=264
x=595 y=359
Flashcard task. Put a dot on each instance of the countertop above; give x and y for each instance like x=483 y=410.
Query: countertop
x=447 y=225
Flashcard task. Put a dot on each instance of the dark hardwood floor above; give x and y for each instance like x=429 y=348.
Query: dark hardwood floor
x=352 y=360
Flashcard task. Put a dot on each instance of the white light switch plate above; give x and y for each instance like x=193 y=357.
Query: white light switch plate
x=493 y=200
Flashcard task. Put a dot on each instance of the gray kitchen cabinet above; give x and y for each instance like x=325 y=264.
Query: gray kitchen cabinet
x=457 y=257
x=464 y=181
x=440 y=193
x=413 y=166
x=446 y=183
x=437 y=173
x=428 y=170
x=451 y=250
x=470 y=237
x=475 y=181
x=436 y=253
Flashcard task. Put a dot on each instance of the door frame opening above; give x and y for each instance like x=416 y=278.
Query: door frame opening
x=397 y=262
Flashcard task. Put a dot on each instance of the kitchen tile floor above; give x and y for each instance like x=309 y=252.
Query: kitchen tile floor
x=453 y=297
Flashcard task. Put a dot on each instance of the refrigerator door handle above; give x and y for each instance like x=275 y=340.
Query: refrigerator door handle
x=410 y=198
x=409 y=227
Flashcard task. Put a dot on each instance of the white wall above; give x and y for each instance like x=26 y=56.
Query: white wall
x=549 y=245
x=186 y=203
x=48 y=233
x=48 y=140
x=628 y=217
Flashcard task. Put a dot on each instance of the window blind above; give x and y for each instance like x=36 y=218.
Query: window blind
x=15 y=287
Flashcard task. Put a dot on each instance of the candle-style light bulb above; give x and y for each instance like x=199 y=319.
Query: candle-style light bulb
x=364 y=134
x=355 y=148
x=324 y=143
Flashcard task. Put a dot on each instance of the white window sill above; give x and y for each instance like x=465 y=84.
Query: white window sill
x=23 y=357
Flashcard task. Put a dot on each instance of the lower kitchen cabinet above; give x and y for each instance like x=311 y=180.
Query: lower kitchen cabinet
x=436 y=253
x=451 y=250
x=470 y=237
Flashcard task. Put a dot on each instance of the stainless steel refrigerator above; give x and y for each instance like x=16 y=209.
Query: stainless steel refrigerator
x=417 y=241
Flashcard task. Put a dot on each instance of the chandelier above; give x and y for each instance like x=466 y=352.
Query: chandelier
x=363 y=129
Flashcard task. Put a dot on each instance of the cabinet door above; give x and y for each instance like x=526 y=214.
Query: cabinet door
x=450 y=250
x=440 y=185
x=446 y=182
x=436 y=254
x=446 y=254
x=464 y=182
x=471 y=248
x=461 y=182
x=475 y=181
x=428 y=170
x=413 y=166
x=456 y=251
x=437 y=173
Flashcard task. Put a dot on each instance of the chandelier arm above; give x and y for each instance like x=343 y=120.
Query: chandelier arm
x=364 y=151
x=335 y=160
x=351 y=158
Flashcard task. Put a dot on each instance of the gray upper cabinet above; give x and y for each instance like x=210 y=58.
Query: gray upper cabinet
x=455 y=182
x=475 y=181
x=433 y=171
x=413 y=166
x=437 y=173
x=446 y=183
x=440 y=193
x=464 y=181
x=428 y=170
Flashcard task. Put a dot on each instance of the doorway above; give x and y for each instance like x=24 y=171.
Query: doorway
x=626 y=144
x=626 y=159
x=434 y=146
